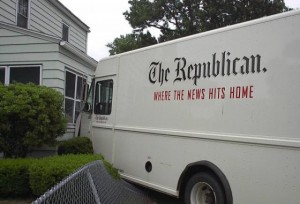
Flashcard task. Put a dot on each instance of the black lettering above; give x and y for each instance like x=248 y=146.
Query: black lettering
x=153 y=71
x=245 y=67
x=234 y=66
x=180 y=74
x=223 y=63
x=197 y=73
x=228 y=64
x=215 y=66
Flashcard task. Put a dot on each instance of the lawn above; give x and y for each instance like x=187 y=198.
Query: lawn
x=15 y=201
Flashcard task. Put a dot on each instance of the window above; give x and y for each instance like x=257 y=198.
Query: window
x=65 y=32
x=22 y=16
x=25 y=75
x=21 y=74
x=104 y=94
x=73 y=95
x=2 y=75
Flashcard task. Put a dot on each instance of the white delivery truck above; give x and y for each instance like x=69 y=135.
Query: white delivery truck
x=213 y=118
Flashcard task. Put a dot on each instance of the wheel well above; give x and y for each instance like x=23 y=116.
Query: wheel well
x=204 y=166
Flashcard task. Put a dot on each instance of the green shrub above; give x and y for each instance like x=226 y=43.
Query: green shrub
x=14 y=177
x=50 y=171
x=76 y=145
x=30 y=116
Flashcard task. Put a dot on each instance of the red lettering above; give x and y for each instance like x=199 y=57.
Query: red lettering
x=162 y=96
x=217 y=93
x=211 y=93
x=231 y=92
x=223 y=93
x=251 y=92
x=178 y=95
x=238 y=92
x=200 y=93
x=191 y=94
x=196 y=94
x=245 y=92
x=241 y=92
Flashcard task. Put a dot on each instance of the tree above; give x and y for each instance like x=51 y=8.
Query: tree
x=30 y=116
x=179 y=18
x=130 y=42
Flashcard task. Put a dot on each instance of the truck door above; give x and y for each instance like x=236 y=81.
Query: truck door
x=103 y=121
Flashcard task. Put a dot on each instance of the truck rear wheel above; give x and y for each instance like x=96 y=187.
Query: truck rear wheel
x=203 y=188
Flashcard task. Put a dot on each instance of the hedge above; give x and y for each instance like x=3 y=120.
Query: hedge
x=76 y=145
x=50 y=171
x=14 y=177
x=26 y=177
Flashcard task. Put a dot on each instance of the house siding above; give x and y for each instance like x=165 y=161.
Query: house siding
x=44 y=17
x=47 y=19
x=43 y=20
x=21 y=49
x=8 y=11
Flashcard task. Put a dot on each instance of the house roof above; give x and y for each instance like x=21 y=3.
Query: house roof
x=53 y=39
x=67 y=12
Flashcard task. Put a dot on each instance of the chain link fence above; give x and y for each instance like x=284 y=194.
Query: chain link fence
x=92 y=184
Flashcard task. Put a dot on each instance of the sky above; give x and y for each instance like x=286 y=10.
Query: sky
x=107 y=22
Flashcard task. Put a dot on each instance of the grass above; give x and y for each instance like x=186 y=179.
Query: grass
x=15 y=201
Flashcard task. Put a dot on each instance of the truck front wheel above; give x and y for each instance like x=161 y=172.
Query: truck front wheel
x=203 y=188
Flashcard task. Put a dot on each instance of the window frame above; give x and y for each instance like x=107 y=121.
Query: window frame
x=111 y=94
x=8 y=68
x=89 y=101
x=28 y=13
x=74 y=99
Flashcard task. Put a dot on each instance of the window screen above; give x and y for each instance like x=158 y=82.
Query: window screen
x=104 y=94
x=25 y=75
x=70 y=84
x=79 y=91
x=65 y=33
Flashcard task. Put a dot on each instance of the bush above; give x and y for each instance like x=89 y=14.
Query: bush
x=14 y=177
x=49 y=171
x=76 y=145
x=25 y=177
x=30 y=116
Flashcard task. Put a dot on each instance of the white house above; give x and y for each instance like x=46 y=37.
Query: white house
x=43 y=42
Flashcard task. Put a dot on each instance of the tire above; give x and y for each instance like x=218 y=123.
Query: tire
x=203 y=188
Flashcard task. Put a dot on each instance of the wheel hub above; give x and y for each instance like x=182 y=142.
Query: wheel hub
x=203 y=193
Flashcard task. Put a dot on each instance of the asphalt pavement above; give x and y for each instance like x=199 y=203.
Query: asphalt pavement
x=160 y=198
